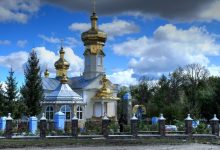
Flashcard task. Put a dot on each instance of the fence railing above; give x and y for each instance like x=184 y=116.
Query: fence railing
x=43 y=128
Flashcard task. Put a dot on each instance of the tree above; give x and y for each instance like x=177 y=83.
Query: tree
x=143 y=91
x=11 y=93
x=195 y=82
x=210 y=97
x=32 y=90
x=120 y=103
x=2 y=101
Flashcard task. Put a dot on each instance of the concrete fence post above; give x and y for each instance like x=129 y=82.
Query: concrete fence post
x=188 y=125
x=75 y=126
x=3 y=123
x=161 y=121
x=105 y=124
x=215 y=125
x=134 y=126
x=33 y=125
x=59 y=120
x=8 y=131
x=43 y=126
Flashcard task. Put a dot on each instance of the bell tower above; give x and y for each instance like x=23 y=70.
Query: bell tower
x=94 y=41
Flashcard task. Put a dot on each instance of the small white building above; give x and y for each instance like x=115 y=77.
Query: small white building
x=89 y=96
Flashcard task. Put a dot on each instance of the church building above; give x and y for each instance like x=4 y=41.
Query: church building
x=89 y=96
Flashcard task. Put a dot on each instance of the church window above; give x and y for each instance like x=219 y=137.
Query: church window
x=67 y=111
x=49 y=112
x=99 y=60
x=87 y=61
x=79 y=112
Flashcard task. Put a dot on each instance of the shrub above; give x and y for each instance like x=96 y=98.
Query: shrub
x=113 y=126
x=201 y=129
x=180 y=125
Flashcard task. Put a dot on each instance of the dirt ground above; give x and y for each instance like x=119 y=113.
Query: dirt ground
x=151 y=147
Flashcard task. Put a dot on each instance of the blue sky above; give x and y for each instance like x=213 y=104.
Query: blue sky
x=144 y=38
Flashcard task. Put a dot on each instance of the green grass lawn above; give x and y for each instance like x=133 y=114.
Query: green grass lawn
x=20 y=143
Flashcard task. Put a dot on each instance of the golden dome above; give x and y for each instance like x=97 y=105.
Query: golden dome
x=46 y=73
x=94 y=35
x=62 y=63
x=64 y=79
x=105 y=93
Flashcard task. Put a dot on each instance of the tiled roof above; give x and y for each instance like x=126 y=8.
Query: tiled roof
x=63 y=92
x=79 y=82
x=50 y=84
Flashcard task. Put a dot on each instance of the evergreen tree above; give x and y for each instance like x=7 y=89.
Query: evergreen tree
x=11 y=93
x=2 y=101
x=32 y=90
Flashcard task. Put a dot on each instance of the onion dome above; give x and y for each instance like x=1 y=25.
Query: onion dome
x=46 y=73
x=64 y=79
x=62 y=63
x=105 y=93
x=94 y=35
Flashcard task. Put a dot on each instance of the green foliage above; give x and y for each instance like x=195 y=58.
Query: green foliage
x=187 y=89
x=120 y=103
x=201 y=129
x=113 y=126
x=153 y=127
x=127 y=128
x=32 y=90
x=93 y=127
x=2 y=101
x=180 y=125
x=11 y=94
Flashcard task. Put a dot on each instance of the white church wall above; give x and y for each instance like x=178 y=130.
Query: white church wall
x=89 y=103
x=111 y=109
x=98 y=109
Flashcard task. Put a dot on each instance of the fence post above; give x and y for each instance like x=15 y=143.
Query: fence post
x=33 y=124
x=43 y=126
x=105 y=123
x=8 y=132
x=134 y=126
x=188 y=125
x=3 y=123
x=161 y=122
x=215 y=125
x=75 y=126
x=59 y=120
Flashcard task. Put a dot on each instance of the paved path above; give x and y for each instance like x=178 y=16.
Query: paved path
x=158 y=147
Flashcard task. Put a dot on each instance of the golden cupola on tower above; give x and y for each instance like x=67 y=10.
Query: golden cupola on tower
x=61 y=65
x=46 y=73
x=94 y=39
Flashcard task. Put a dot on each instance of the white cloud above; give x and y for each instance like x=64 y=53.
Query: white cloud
x=169 y=48
x=123 y=77
x=22 y=43
x=3 y=84
x=17 y=10
x=214 y=70
x=68 y=41
x=81 y=27
x=71 y=41
x=113 y=29
x=5 y=42
x=15 y=60
x=51 y=39
x=47 y=58
x=211 y=12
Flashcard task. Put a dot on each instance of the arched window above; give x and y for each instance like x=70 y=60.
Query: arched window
x=87 y=60
x=49 y=112
x=99 y=60
x=79 y=112
x=66 y=110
